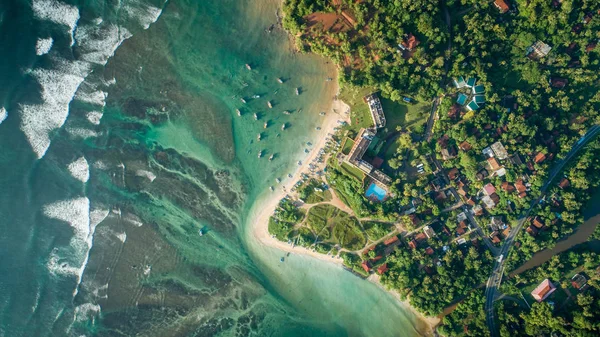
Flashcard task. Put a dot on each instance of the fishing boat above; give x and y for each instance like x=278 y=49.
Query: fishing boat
x=255 y=116
x=283 y=126
x=278 y=180
x=269 y=104
x=329 y=79
x=200 y=232
x=279 y=80
x=238 y=112
x=305 y=150
x=285 y=112
x=248 y=66
x=289 y=175
x=271 y=157
x=259 y=137
x=260 y=153
x=271 y=188
x=322 y=113
x=299 y=163
x=318 y=128
x=281 y=260
x=256 y=96
x=297 y=91
x=243 y=100
x=266 y=125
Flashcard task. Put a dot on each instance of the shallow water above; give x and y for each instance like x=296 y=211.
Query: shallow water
x=110 y=164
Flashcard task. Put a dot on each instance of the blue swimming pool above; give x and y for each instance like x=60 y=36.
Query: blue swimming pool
x=375 y=190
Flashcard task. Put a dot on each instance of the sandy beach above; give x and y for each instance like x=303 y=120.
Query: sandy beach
x=269 y=203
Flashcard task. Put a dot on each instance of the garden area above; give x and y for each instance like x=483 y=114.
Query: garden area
x=314 y=192
x=336 y=227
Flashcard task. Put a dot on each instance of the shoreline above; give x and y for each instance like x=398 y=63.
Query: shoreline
x=270 y=200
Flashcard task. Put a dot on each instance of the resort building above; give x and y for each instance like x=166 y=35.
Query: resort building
x=502 y=6
x=355 y=158
x=409 y=43
x=376 y=110
x=542 y=291
x=499 y=150
x=470 y=99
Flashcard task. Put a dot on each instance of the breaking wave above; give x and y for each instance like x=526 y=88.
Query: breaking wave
x=98 y=43
x=94 y=117
x=147 y=174
x=3 y=114
x=80 y=169
x=57 y=12
x=144 y=14
x=43 y=46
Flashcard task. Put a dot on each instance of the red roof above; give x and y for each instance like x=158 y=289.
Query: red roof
x=543 y=290
x=501 y=5
x=366 y=266
x=390 y=240
x=540 y=157
x=465 y=146
x=453 y=173
x=489 y=189
x=410 y=42
x=537 y=223
x=532 y=230
x=412 y=244
x=558 y=82
x=429 y=250
x=382 y=269
x=495 y=239
x=564 y=183
x=508 y=187
x=520 y=186
x=493 y=163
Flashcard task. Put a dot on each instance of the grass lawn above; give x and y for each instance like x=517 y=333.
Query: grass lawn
x=360 y=114
x=347 y=146
x=310 y=194
x=407 y=116
x=377 y=230
x=352 y=171
x=335 y=226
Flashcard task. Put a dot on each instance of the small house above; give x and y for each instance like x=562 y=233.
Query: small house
x=502 y=6
x=543 y=290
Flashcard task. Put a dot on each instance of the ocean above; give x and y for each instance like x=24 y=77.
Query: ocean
x=120 y=140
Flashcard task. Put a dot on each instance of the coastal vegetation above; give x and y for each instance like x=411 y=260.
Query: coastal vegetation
x=515 y=92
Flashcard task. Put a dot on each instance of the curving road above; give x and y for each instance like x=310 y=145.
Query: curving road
x=496 y=277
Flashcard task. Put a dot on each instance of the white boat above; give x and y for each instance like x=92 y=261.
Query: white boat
x=279 y=80
x=285 y=112
x=200 y=232
x=269 y=104
x=255 y=116
x=297 y=91
x=271 y=157
x=256 y=96
x=248 y=66
x=278 y=180
x=238 y=112
x=260 y=153
x=283 y=126
x=243 y=100
x=322 y=113
x=271 y=188
x=259 y=137
x=266 y=125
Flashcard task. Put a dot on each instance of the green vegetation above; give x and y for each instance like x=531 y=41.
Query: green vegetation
x=361 y=116
x=285 y=218
x=336 y=227
x=468 y=318
x=403 y=116
x=313 y=192
x=347 y=146
x=376 y=230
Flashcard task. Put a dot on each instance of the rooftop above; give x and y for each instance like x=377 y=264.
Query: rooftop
x=543 y=290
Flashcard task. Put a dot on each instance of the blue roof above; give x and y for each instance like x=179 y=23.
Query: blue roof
x=479 y=99
x=462 y=98
x=472 y=105
x=460 y=82
x=478 y=89
x=471 y=81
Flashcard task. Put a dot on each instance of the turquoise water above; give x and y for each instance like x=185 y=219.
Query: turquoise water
x=122 y=140
x=375 y=190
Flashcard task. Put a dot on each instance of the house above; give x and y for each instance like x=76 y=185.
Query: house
x=461 y=228
x=462 y=99
x=461 y=217
x=391 y=240
x=414 y=219
x=366 y=266
x=532 y=230
x=449 y=153
x=459 y=82
x=537 y=223
x=471 y=82
x=495 y=238
x=409 y=43
x=496 y=223
x=538 y=50
x=543 y=290
x=499 y=150
x=493 y=163
x=516 y=160
x=489 y=203
x=478 y=89
x=578 y=281
x=429 y=232
x=564 y=183
x=478 y=210
x=470 y=201
x=521 y=188
x=412 y=244
x=429 y=250
x=502 y=6
x=539 y=158
x=453 y=173
x=465 y=146
x=376 y=110
x=461 y=190
x=508 y=187
x=590 y=47
x=488 y=152
x=382 y=269
x=505 y=232
x=559 y=83
x=439 y=196
x=482 y=174
x=489 y=189
x=472 y=106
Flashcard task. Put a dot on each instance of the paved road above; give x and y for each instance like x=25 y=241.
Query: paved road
x=496 y=277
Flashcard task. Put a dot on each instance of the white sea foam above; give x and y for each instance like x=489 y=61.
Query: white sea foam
x=75 y=212
x=97 y=215
x=58 y=88
x=80 y=169
x=43 y=46
x=86 y=312
x=94 y=117
x=101 y=165
x=144 y=14
x=122 y=237
x=97 y=97
x=147 y=174
x=82 y=132
x=57 y=12
x=3 y=114
x=99 y=43
x=133 y=220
